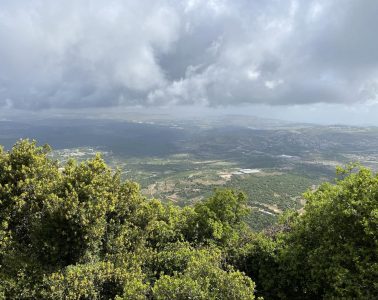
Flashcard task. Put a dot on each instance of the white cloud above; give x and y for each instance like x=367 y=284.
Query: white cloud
x=84 y=50
x=253 y=74
x=221 y=52
x=272 y=84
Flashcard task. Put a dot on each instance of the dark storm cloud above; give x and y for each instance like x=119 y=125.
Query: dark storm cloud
x=95 y=53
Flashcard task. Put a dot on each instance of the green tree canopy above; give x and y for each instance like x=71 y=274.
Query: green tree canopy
x=330 y=251
x=78 y=231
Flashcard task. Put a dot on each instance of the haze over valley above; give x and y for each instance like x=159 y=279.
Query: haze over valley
x=183 y=161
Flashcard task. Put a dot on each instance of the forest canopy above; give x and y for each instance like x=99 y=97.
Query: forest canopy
x=79 y=231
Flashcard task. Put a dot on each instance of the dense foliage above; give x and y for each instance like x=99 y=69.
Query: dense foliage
x=77 y=231
x=330 y=251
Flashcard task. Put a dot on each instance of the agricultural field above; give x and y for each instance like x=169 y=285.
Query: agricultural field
x=182 y=179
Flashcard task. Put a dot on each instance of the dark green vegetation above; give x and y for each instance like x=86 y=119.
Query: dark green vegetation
x=78 y=231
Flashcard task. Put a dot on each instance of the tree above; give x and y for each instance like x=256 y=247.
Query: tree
x=100 y=280
x=218 y=219
x=200 y=276
x=257 y=255
x=330 y=251
x=77 y=231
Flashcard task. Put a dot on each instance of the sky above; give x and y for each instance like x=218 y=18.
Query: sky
x=306 y=60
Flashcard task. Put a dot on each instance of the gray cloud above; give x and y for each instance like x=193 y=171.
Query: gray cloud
x=91 y=53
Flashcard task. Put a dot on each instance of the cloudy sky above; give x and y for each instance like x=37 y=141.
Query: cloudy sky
x=299 y=60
